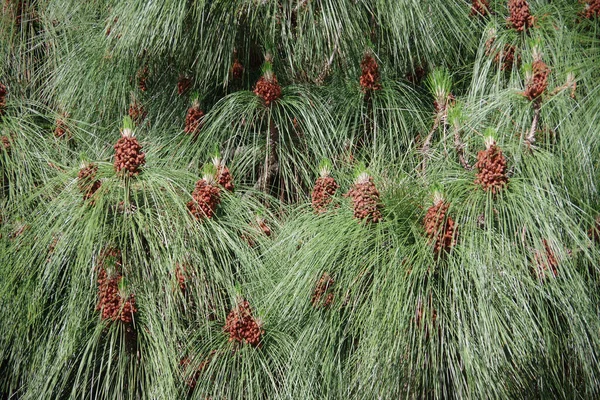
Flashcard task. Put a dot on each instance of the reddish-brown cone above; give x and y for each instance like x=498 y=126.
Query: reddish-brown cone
x=322 y=194
x=491 y=164
x=267 y=88
x=440 y=227
x=225 y=178
x=480 y=7
x=5 y=142
x=539 y=81
x=205 y=199
x=520 y=17
x=3 y=93
x=545 y=261
x=592 y=9
x=111 y=303
x=263 y=226
x=193 y=119
x=241 y=325
x=237 y=69
x=142 y=77
x=369 y=79
x=128 y=156
x=366 y=200
x=87 y=182
x=60 y=128
x=180 y=274
x=323 y=292
x=137 y=112
x=183 y=85
x=507 y=57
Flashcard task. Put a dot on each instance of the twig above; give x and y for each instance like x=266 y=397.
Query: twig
x=537 y=106
x=460 y=150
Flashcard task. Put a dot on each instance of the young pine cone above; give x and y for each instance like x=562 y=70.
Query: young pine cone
x=142 y=77
x=205 y=199
x=224 y=177
x=267 y=88
x=491 y=164
x=87 y=182
x=3 y=93
x=183 y=85
x=323 y=191
x=539 y=81
x=237 y=69
x=366 y=199
x=128 y=154
x=193 y=119
x=137 y=112
x=480 y=7
x=323 y=295
x=506 y=57
x=5 y=142
x=369 y=79
x=242 y=327
x=440 y=227
x=592 y=9
x=111 y=303
x=520 y=17
x=545 y=261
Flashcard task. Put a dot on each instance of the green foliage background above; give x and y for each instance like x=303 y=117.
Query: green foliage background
x=404 y=322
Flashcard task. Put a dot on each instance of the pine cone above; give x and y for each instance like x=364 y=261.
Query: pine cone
x=183 y=85
x=225 y=178
x=322 y=294
x=267 y=88
x=128 y=155
x=322 y=194
x=3 y=93
x=440 y=227
x=242 y=327
x=205 y=199
x=111 y=303
x=366 y=199
x=506 y=57
x=142 y=77
x=60 y=128
x=137 y=112
x=5 y=142
x=592 y=9
x=491 y=164
x=520 y=17
x=369 y=80
x=237 y=69
x=480 y=7
x=545 y=261
x=539 y=82
x=263 y=226
x=193 y=119
x=87 y=182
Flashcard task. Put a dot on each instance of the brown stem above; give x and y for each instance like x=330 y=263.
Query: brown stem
x=427 y=143
x=460 y=150
x=272 y=166
x=537 y=105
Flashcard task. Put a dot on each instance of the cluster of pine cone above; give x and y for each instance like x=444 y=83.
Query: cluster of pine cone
x=128 y=156
x=592 y=9
x=491 y=164
x=546 y=261
x=60 y=128
x=224 y=177
x=111 y=303
x=3 y=93
x=87 y=182
x=193 y=119
x=322 y=194
x=237 y=69
x=142 y=77
x=242 y=327
x=5 y=142
x=268 y=89
x=323 y=295
x=137 y=112
x=369 y=79
x=366 y=200
x=183 y=85
x=539 y=81
x=205 y=199
x=440 y=227
x=480 y=7
x=520 y=17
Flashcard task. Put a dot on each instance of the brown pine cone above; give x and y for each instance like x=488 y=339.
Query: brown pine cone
x=594 y=231
x=366 y=199
x=323 y=192
x=128 y=154
x=193 y=119
x=224 y=177
x=87 y=182
x=539 y=82
x=520 y=17
x=183 y=85
x=137 y=112
x=545 y=261
x=205 y=199
x=592 y=9
x=242 y=327
x=5 y=143
x=440 y=227
x=480 y=7
x=506 y=57
x=142 y=77
x=237 y=69
x=369 y=79
x=323 y=292
x=61 y=128
x=267 y=88
x=3 y=93
x=491 y=164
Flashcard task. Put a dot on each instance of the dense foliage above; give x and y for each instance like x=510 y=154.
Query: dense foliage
x=308 y=199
